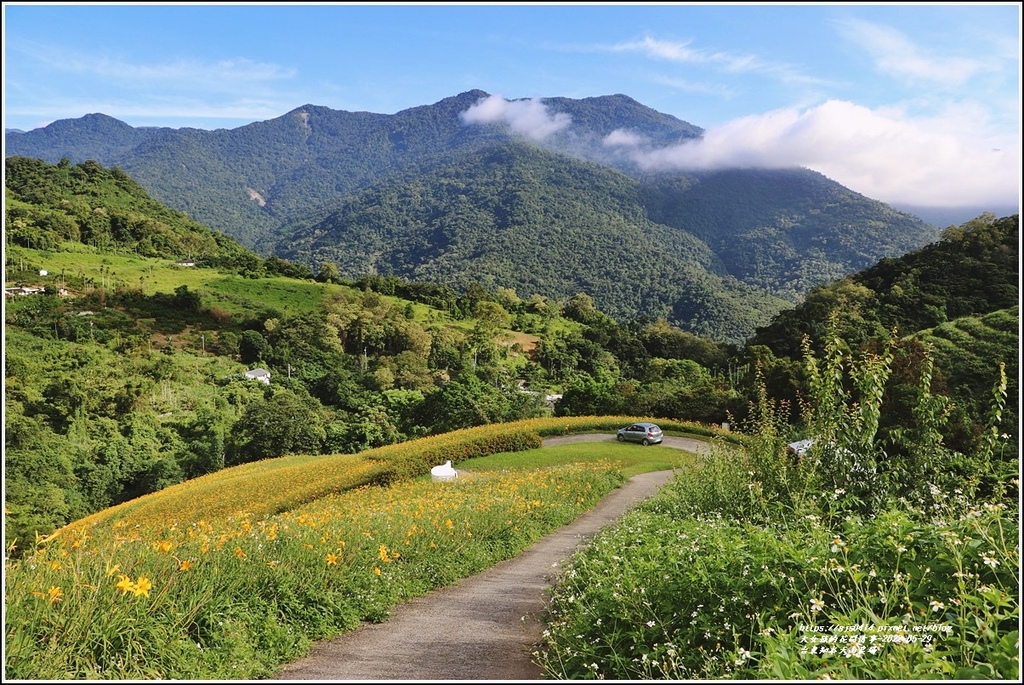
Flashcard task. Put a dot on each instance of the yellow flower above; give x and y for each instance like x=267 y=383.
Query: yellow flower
x=184 y=565
x=142 y=587
x=164 y=546
x=332 y=559
x=383 y=553
x=376 y=570
x=55 y=565
x=125 y=584
x=239 y=552
x=56 y=594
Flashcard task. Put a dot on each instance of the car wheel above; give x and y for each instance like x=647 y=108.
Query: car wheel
x=620 y=437
x=645 y=442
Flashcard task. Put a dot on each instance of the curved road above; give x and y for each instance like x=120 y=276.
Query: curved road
x=485 y=627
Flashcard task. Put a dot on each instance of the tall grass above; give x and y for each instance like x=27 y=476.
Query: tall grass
x=838 y=565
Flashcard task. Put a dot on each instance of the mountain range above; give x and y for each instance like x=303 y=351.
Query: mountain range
x=538 y=201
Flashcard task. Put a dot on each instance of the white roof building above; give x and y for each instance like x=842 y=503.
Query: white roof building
x=261 y=375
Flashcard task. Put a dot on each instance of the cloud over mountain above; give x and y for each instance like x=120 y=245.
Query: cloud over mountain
x=942 y=161
x=529 y=118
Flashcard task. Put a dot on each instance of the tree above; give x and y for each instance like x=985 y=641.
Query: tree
x=492 y=314
x=284 y=423
x=253 y=347
x=328 y=273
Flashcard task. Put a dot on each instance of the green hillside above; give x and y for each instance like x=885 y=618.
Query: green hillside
x=126 y=373
x=783 y=231
x=974 y=269
x=169 y=516
x=521 y=217
x=46 y=205
x=771 y=235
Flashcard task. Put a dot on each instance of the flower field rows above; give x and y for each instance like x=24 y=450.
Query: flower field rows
x=232 y=574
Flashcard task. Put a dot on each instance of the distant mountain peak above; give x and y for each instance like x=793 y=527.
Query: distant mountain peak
x=455 y=197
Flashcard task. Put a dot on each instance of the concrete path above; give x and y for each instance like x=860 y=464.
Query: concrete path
x=485 y=627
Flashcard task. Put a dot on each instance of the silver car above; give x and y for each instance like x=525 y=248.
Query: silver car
x=644 y=433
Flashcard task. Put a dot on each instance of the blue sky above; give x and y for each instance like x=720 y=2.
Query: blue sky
x=912 y=104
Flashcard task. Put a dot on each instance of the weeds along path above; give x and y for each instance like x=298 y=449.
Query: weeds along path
x=484 y=627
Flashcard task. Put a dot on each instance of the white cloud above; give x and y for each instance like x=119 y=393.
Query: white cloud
x=622 y=137
x=225 y=75
x=896 y=55
x=682 y=52
x=145 y=91
x=529 y=118
x=229 y=75
x=938 y=162
x=728 y=62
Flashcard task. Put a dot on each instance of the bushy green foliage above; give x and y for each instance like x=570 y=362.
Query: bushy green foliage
x=708 y=597
x=47 y=205
x=835 y=564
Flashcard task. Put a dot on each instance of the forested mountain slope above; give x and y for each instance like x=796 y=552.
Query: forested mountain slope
x=780 y=231
x=249 y=181
x=518 y=216
x=783 y=230
x=973 y=270
x=47 y=204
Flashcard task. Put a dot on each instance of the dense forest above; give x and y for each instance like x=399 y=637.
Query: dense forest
x=517 y=217
x=127 y=373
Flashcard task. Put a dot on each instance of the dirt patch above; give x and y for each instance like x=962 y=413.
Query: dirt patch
x=527 y=342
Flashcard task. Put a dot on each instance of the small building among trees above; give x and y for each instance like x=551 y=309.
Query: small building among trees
x=261 y=375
